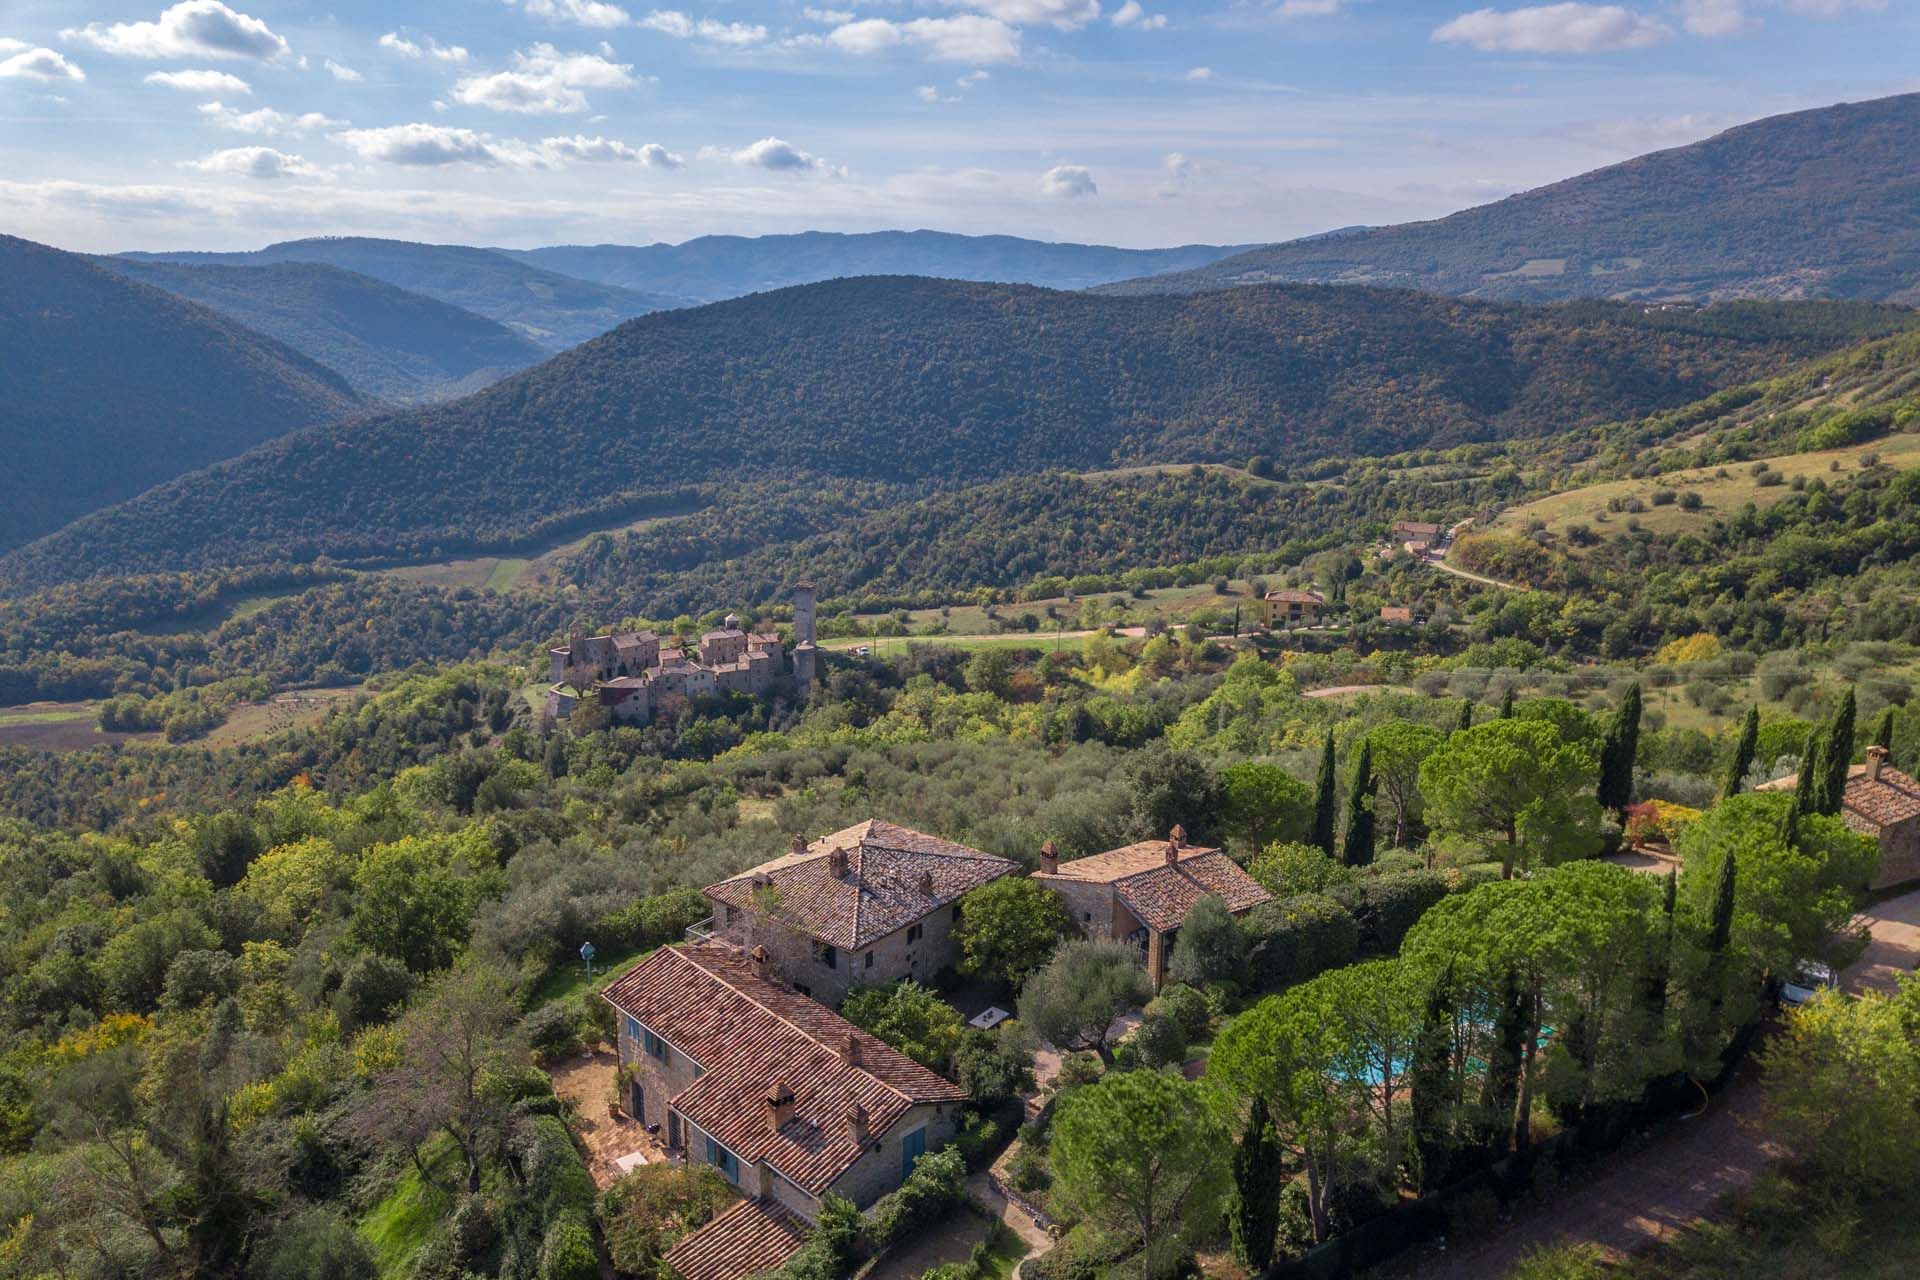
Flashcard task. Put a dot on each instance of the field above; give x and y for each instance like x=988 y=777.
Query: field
x=1720 y=494
x=59 y=726
x=252 y=721
x=524 y=568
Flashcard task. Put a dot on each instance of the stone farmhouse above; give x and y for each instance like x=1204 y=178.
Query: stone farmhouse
x=789 y=1101
x=633 y=678
x=1884 y=803
x=1141 y=893
x=1293 y=608
x=871 y=904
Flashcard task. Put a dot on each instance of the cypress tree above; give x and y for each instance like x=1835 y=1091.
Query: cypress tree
x=1429 y=1078
x=1326 y=801
x=1743 y=753
x=1837 y=755
x=1258 y=1175
x=1500 y=1087
x=1506 y=704
x=1720 y=927
x=1617 y=752
x=1883 y=730
x=1806 y=787
x=1466 y=714
x=1661 y=970
x=1358 y=850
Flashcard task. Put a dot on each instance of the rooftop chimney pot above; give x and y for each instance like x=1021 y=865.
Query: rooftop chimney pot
x=1049 y=859
x=1876 y=761
x=799 y=844
x=837 y=863
x=850 y=1049
x=857 y=1123
x=759 y=956
x=780 y=1105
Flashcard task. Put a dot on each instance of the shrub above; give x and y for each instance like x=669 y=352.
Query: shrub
x=553 y=1032
x=653 y=921
x=314 y=1244
x=1295 y=938
x=557 y=1181
x=1560 y=1262
x=1160 y=1041
x=1473 y=1214
x=1286 y=870
x=1385 y=907
x=646 y=1212
x=1185 y=1006
x=567 y=1252
x=936 y=1188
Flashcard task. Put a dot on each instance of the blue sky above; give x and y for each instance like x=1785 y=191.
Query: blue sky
x=206 y=124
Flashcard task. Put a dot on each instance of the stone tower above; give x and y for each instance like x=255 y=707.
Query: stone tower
x=804 y=651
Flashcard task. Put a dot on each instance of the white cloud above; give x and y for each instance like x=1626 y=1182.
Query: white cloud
x=44 y=65
x=1200 y=73
x=255 y=162
x=342 y=72
x=673 y=23
x=927 y=93
x=781 y=156
x=193 y=28
x=1715 y=17
x=265 y=120
x=600 y=150
x=544 y=82
x=1309 y=8
x=396 y=43
x=428 y=146
x=1131 y=14
x=1176 y=166
x=1554 y=28
x=828 y=17
x=1831 y=8
x=1067 y=15
x=1068 y=182
x=200 y=81
x=973 y=78
x=581 y=13
x=965 y=38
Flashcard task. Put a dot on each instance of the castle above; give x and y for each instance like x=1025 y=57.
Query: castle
x=632 y=678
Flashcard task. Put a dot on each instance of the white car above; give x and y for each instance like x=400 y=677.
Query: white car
x=1809 y=979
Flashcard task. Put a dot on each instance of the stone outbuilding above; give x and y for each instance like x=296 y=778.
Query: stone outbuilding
x=1141 y=893
x=1884 y=803
x=868 y=905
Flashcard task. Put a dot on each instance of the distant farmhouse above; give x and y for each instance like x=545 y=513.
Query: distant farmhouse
x=633 y=679
x=1884 y=803
x=1293 y=608
x=871 y=904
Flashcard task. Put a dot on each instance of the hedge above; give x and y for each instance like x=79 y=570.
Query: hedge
x=1387 y=906
x=1295 y=938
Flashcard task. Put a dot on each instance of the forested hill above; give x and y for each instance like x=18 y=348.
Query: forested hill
x=108 y=387
x=936 y=384
x=716 y=267
x=1822 y=203
x=384 y=340
x=551 y=309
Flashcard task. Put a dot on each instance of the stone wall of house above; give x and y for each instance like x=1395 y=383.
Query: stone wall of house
x=1096 y=909
x=658 y=1080
x=798 y=959
x=1899 y=853
x=879 y=1172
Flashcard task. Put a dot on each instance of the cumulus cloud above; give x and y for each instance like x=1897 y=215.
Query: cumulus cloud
x=1309 y=8
x=1200 y=73
x=1131 y=14
x=342 y=72
x=828 y=17
x=1068 y=182
x=544 y=82
x=265 y=120
x=255 y=162
x=200 y=81
x=673 y=23
x=1831 y=8
x=1715 y=17
x=1067 y=15
x=602 y=150
x=425 y=146
x=965 y=38
x=427 y=46
x=780 y=156
x=1554 y=28
x=1176 y=167
x=193 y=28
x=45 y=65
x=579 y=13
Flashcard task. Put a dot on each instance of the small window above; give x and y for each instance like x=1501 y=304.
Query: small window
x=732 y=915
x=633 y=1027
x=869 y=960
x=722 y=1159
x=956 y=913
x=826 y=955
x=1086 y=916
x=913 y=933
x=655 y=1045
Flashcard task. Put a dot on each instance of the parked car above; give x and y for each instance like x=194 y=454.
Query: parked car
x=1809 y=979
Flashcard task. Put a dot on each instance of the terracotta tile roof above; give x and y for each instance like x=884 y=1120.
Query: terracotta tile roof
x=893 y=878
x=1160 y=895
x=1416 y=527
x=1296 y=597
x=751 y=1237
x=1893 y=799
x=749 y=1033
x=1395 y=613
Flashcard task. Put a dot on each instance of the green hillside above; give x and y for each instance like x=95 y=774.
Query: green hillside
x=108 y=387
x=384 y=340
x=936 y=384
x=1821 y=203
x=556 y=311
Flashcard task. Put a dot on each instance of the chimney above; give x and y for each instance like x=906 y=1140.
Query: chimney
x=1173 y=853
x=1049 y=859
x=759 y=956
x=837 y=863
x=850 y=1049
x=857 y=1124
x=779 y=1105
x=1178 y=836
x=799 y=846
x=1876 y=761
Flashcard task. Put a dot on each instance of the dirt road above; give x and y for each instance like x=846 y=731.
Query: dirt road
x=1894 y=949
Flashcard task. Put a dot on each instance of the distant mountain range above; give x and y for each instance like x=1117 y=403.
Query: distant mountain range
x=1817 y=204
x=386 y=341
x=713 y=268
x=554 y=311
x=934 y=384
x=108 y=387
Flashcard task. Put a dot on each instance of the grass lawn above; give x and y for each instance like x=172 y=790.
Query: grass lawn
x=954 y=1241
x=47 y=714
x=570 y=979
x=396 y=1227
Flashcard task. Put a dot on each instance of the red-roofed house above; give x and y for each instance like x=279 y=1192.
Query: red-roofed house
x=783 y=1096
x=1142 y=892
x=1882 y=802
x=1293 y=607
x=871 y=904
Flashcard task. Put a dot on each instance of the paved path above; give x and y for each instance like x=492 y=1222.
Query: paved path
x=1637 y=1198
x=1894 y=948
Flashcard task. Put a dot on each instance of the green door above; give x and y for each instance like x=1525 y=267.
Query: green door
x=912 y=1147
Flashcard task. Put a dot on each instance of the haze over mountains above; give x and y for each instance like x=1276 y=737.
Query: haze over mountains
x=1822 y=203
x=917 y=382
x=108 y=387
x=386 y=341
